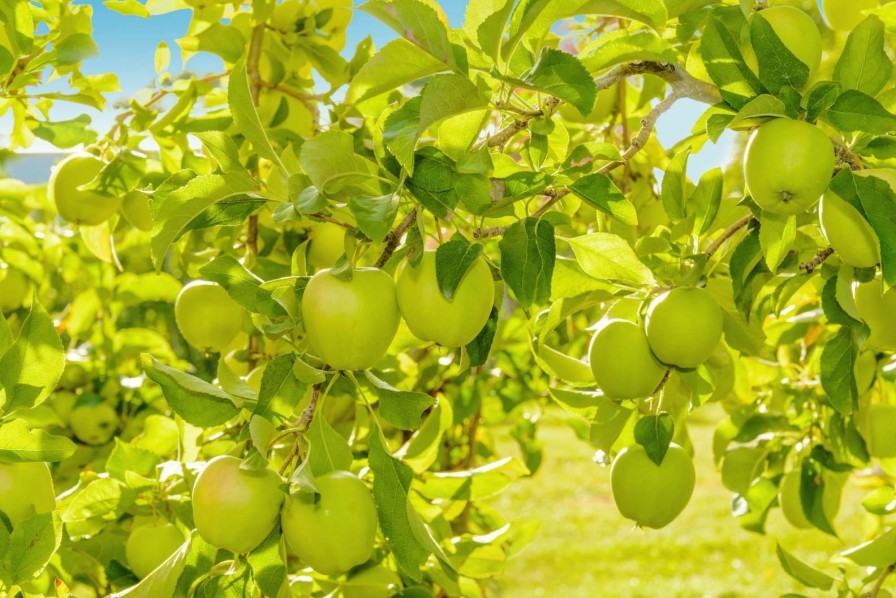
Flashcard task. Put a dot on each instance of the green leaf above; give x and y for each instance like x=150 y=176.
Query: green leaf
x=776 y=236
x=650 y=12
x=756 y=111
x=415 y=21
x=18 y=444
x=864 y=64
x=31 y=545
x=479 y=348
x=401 y=131
x=245 y=115
x=654 y=433
x=527 y=260
x=242 y=285
x=329 y=450
x=857 y=111
x=606 y=256
x=279 y=387
x=778 y=66
x=821 y=97
x=221 y=147
x=268 y=567
x=877 y=552
x=562 y=75
x=406 y=535
x=397 y=63
x=453 y=259
x=599 y=191
x=619 y=47
x=440 y=187
x=878 y=202
x=32 y=366
x=484 y=22
x=724 y=61
x=838 y=359
x=375 y=215
x=704 y=202
x=127 y=459
x=402 y=408
x=195 y=400
x=448 y=95
x=131 y=8
x=330 y=160
x=675 y=184
x=182 y=198
x=66 y=133
x=75 y=48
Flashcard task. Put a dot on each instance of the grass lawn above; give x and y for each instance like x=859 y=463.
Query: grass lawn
x=585 y=548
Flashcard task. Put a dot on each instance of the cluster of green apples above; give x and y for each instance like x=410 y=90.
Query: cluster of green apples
x=350 y=322
x=331 y=529
x=682 y=328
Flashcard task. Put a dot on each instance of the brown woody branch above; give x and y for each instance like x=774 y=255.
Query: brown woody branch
x=823 y=254
x=727 y=234
x=393 y=239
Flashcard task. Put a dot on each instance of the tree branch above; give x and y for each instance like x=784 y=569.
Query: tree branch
x=394 y=237
x=253 y=58
x=820 y=257
x=727 y=234
x=880 y=581
x=648 y=123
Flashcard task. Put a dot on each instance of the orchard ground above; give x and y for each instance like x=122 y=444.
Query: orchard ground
x=585 y=548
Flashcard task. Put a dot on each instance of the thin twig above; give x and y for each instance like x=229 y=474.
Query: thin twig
x=394 y=237
x=880 y=581
x=253 y=59
x=727 y=234
x=648 y=123
x=820 y=257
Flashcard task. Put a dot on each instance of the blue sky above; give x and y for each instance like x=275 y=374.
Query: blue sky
x=127 y=47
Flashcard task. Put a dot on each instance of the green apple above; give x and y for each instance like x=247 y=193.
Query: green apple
x=865 y=370
x=431 y=317
x=847 y=231
x=93 y=423
x=25 y=490
x=14 y=289
x=881 y=426
x=326 y=245
x=792 y=504
x=372 y=582
x=207 y=316
x=62 y=402
x=649 y=494
x=350 y=323
x=797 y=32
x=788 y=165
x=684 y=326
x=876 y=307
x=624 y=367
x=150 y=545
x=80 y=207
x=233 y=508
x=844 y=15
x=135 y=209
x=334 y=530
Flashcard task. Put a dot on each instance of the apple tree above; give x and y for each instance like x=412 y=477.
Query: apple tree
x=258 y=335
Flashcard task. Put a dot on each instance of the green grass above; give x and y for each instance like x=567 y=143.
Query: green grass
x=585 y=548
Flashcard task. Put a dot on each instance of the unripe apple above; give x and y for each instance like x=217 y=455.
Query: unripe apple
x=233 y=508
x=335 y=530
x=797 y=32
x=876 y=307
x=94 y=424
x=80 y=207
x=430 y=316
x=624 y=367
x=350 y=323
x=14 y=289
x=788 y=165
x=372 y=582
x=792 y=505
x=25 y=490
x=684 y=326
x=649 y=494
x=207 y=316
x=326 y=245
x=881 y=426
x=150 y=545
x=135 y=209
x=847 y=231
x=844 y=15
